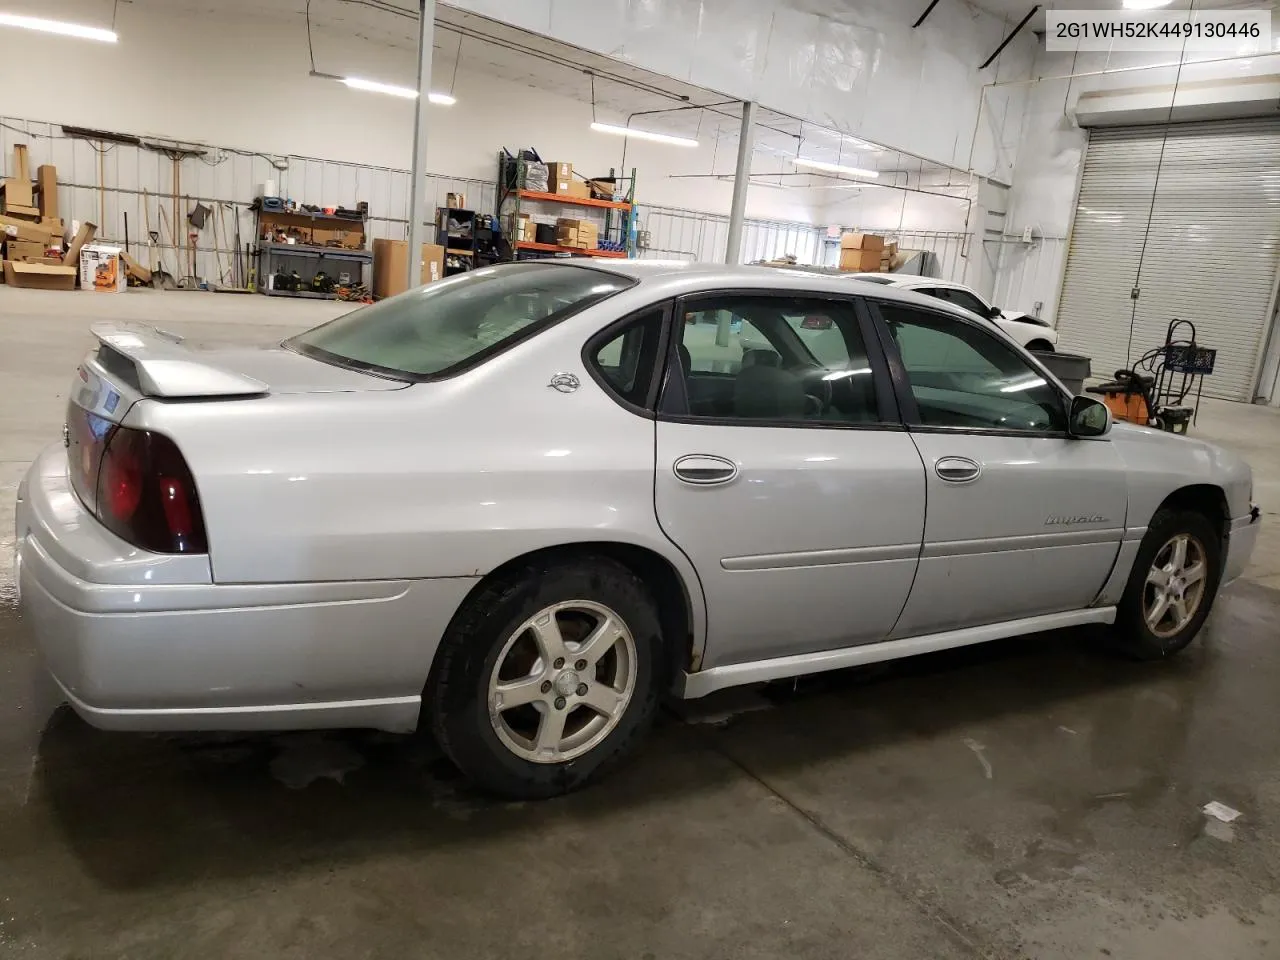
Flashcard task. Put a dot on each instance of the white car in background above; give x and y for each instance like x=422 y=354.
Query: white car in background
x=1032 y=332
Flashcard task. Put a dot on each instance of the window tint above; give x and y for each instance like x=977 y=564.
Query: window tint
x=775 y=358
x=962 y=376
x=628 y=361
x=454 y=322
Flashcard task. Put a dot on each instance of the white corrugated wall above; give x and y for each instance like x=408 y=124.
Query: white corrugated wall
x=107 y=183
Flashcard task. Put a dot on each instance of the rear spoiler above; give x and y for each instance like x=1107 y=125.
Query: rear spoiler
x=166 y=368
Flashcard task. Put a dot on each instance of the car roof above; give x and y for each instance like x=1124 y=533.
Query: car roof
x=684 y=277
x=909 y=280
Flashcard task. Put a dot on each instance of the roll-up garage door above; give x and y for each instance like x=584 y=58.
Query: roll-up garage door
x=1211 y=254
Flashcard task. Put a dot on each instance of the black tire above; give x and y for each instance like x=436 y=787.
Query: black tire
x=1040 y=346
x=1133 y=636
x=457 y=692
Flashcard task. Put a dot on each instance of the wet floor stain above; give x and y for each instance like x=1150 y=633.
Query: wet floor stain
x=1089 y=834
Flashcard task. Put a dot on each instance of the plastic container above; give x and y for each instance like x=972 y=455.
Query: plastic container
x=1072 y=369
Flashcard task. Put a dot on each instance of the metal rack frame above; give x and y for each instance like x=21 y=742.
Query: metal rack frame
x=508 y=203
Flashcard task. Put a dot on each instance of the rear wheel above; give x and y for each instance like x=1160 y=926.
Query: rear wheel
x=548 y=677
x=1172 y=586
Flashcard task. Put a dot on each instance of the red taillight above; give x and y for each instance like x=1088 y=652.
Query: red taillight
x=120 y=482
x=146 y=494
x=175 y=500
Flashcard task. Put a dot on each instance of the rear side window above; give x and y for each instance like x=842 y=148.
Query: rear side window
x=453 y=324
x=801 y=359
x=628 y=361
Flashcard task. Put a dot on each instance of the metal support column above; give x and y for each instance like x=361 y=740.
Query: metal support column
x=738 y=206
x=417 y=188
x=741 y=180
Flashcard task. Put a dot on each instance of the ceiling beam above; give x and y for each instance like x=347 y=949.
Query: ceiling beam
x=925 y=16
x=1009 y=39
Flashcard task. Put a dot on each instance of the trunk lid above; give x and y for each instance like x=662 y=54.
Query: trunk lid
x=135 y=361
x=164 y=365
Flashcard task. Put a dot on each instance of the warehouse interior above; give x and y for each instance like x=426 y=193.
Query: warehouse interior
x=236 y=172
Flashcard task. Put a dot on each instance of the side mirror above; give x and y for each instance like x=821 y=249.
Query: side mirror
x=995 y=313
x=1088 y=418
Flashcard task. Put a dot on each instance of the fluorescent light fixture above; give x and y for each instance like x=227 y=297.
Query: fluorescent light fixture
x=1145 y=4
x=57 y=26
x=373 y=86
x=408 y=93
x=644 y=135
x=834 y=167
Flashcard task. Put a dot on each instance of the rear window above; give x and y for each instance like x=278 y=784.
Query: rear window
x=450 y=325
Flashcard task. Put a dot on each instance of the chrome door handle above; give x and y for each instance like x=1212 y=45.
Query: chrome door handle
x=957 y=469
x=704 y=470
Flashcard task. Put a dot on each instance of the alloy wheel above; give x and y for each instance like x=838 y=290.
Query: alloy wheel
x=1175 y=586
x=562 y=681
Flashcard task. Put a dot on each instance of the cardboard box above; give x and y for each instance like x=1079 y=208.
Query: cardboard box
x=523 y=229
x=16 y=189
x=39 y=276
x=391 y=261
x=25 y=250
x=578 y=189
x=102 y=269
x=602 y=189
x=559 y=171
x=15 y=228
x=455 y=201
x=860 y=261
x=862 y=241
x=582 y=234
x=136 y=270
x=47 y=191
x=84 y=235
x=31 y=214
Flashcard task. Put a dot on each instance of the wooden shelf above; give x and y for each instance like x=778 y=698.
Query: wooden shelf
x=555 y=248
x=460 y=253
x=575 y=201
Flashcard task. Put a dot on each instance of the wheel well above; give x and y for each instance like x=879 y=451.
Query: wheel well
x=1202 y=498
x=675 y=612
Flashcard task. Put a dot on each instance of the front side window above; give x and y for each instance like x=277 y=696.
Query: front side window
x=752 y=357
x=962 y=376
x=455 y=323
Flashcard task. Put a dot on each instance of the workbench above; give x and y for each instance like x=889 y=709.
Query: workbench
x=309 y=260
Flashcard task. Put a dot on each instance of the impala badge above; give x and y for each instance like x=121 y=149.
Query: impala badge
x=564 y=382
x=1072 y=521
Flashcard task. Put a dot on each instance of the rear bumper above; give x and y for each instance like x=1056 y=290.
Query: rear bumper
x=134 y=650
x=1241 y=539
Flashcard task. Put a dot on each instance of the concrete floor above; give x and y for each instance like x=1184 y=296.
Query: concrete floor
x=1033 y=798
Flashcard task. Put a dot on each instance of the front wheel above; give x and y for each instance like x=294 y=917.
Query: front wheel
x=548 y=677
x=1172 y=586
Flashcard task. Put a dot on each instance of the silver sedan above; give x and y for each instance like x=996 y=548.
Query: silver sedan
x=518 y=507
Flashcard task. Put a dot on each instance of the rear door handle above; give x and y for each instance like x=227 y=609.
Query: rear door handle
x=957 y=469
x=704 y=470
